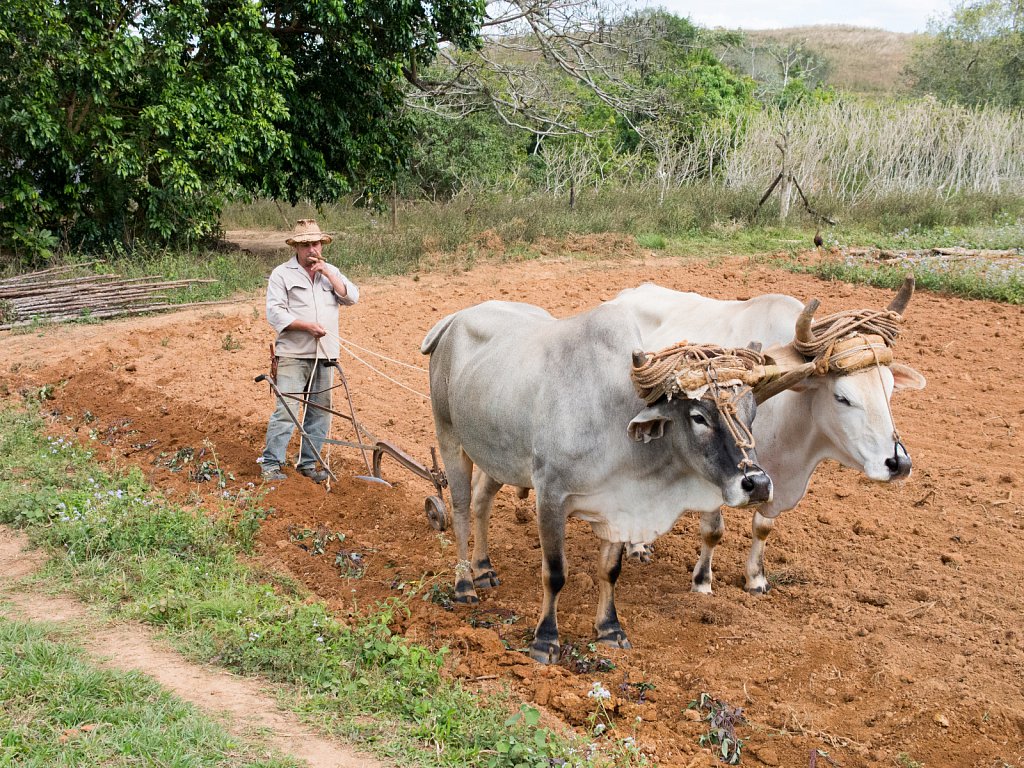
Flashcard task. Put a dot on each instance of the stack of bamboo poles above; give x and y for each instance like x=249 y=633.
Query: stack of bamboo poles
x=52 y=296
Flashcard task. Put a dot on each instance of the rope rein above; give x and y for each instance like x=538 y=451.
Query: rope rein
x=708 y=372
x=346 y=342
x=342 y=343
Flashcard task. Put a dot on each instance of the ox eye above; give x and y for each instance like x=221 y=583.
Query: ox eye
x=842 y=400
x=698 y=418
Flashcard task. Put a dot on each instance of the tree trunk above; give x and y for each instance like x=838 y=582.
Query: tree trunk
x=785 y=196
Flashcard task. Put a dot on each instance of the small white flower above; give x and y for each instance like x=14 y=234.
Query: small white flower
x=319 y=638
x=599 y=692
x=259 y=460
x=599 y=729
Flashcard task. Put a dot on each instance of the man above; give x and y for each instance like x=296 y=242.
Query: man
x=303 y=296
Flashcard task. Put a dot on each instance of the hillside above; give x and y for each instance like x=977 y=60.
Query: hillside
x=859 y=59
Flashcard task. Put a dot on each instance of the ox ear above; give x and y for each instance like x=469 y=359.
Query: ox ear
x=905 y=377
x=648 y=425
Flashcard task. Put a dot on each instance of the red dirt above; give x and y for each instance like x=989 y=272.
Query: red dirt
x=896 y=624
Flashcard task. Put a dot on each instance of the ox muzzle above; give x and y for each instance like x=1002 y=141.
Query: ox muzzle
x=758 y=487
x=899 y=464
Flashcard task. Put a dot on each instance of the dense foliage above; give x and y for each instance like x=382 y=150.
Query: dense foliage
x=126 y=120
x=975 y=56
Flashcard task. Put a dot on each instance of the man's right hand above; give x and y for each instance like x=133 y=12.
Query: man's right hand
x=313 y=329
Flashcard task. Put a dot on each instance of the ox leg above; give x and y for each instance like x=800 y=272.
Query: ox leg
x=460 y=471
x=484 y=490
x=712 y=526
x=545 y=647
x=609 y=631
x=757 y=580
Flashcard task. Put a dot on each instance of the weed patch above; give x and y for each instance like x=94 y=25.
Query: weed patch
x=721 y=719
x=977 y=278
x=113 y=542
x=584 y=660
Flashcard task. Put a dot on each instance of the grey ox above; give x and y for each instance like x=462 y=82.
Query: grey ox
x=549 y=404
x=841 y=417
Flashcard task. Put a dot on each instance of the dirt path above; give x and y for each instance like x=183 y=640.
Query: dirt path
x=895 y=624
x=240 y=704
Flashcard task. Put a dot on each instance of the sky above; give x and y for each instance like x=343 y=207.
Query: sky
x=893 y=15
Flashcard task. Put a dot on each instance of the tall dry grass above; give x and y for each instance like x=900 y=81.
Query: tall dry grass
x=855 y=151
x=860 y=60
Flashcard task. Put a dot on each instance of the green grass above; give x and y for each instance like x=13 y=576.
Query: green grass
x=972 y=279
x=113 y=542
x=701 y=222
x=694 y=222
x=60 y=708
x=233 y=271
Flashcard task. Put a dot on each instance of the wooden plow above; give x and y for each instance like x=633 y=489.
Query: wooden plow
x=372 y=449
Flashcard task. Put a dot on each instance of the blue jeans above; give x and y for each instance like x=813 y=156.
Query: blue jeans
x=293 y=378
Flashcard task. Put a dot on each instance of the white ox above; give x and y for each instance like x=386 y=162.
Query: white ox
x=549 y=404
x=841 y=417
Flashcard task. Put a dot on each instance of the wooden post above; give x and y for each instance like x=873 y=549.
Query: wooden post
x=394 y=205
x=786 y=176
x=786 y=194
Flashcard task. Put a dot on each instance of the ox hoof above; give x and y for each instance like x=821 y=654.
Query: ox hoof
x=615 y=640
x=545 y=652
x=486 y=580
x=760 y=589
x=464 y=593
x=703 y=589
x=639 y=553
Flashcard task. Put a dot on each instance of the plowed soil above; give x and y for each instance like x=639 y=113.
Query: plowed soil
x=893 y=634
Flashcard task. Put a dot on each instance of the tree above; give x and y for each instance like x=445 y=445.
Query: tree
x=593 y=88
x=132 y=120
x=786 y=72
x=346 y=123
x=975 y=56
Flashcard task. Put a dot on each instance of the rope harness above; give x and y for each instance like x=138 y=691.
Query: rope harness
x=850 y=341
x=708 y=372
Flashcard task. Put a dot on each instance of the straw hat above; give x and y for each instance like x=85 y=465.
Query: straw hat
x=307 y=231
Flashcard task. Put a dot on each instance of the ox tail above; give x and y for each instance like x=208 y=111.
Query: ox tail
x=434 y=334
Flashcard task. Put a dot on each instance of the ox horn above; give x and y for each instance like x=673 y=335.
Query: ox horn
x=899 y=303
x=779 y=378
x=639 y=358
x=803 y=323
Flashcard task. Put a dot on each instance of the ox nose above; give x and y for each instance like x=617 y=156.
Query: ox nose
x=758 y=487
x=899 y=466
